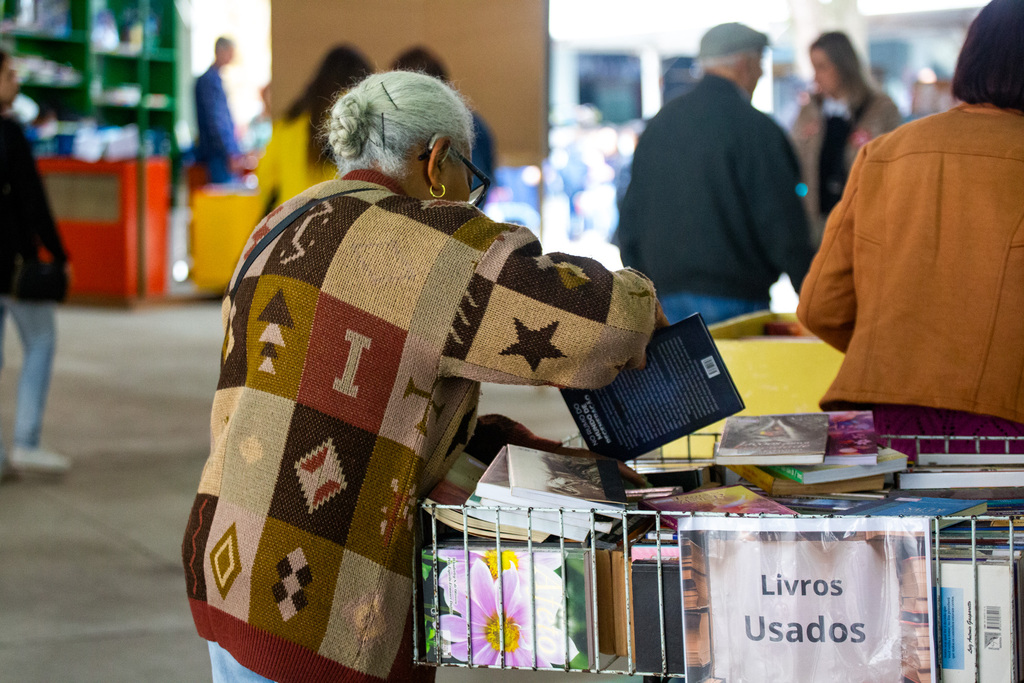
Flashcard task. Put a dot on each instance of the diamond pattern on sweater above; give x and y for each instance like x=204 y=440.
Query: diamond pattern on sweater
x=295 y=575
x=320 y=475
x=225 y=561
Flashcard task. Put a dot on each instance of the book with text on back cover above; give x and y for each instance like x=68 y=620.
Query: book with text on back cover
x=684 y=386
x=784 y=439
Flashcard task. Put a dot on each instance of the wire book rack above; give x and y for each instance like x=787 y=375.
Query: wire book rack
x=427 y=598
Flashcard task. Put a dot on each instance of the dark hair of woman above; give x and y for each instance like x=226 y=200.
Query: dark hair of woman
x=839 y=50
x=420 y=59
x=3 y=58
x=341 y=68
x=990 y=69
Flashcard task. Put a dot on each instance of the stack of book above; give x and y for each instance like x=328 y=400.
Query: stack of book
x=808 y=453
x=524 y=478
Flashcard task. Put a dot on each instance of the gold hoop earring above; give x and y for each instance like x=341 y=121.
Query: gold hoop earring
x=437 y=196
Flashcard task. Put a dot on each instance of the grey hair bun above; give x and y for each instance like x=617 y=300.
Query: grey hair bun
x=350 y=124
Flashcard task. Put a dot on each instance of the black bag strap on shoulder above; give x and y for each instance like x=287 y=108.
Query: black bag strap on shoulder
x=281 y=227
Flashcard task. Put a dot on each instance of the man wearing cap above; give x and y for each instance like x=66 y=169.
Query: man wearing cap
x=713 y=214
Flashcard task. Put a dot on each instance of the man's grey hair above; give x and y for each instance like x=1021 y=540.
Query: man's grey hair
x=382 y=119
x=728 y=61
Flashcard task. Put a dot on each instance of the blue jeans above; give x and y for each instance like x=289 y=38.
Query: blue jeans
x=712 y=308
x=37 y=327
x=226 y=668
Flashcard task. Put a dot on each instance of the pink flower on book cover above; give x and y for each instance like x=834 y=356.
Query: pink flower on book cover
x=547 y=587
x=485 y=623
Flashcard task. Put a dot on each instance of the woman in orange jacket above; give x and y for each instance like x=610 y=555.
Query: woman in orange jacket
x=920 y=277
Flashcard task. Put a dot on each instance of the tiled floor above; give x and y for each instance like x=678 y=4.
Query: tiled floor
x=91 y=584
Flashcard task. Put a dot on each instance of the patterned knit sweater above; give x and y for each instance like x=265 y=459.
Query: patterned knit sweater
x=353 y=352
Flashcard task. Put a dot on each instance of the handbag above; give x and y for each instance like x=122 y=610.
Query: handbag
x=39 y=281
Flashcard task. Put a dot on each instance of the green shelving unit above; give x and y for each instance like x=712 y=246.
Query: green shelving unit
x=112 y=61
x=131 y=81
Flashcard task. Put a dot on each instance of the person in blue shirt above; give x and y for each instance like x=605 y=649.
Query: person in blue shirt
x=217 y=149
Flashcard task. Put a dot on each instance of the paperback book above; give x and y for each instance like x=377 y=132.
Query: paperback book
x=524 y=592
x=910 y=506
x=565 y=480
x=494 y=490
x=889 y=461
x=979 y=629
x=851 y=438
x=684 y=386
x=960 y=477
x=734 y=499
x=787 y=439
x=770 y=482
x=457 y=489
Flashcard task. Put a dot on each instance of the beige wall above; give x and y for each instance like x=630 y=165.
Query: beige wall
x=495 y=51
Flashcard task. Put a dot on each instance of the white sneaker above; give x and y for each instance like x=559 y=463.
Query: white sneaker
x=38 y=460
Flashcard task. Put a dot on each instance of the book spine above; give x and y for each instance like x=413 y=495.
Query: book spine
x=757 y=476
x=791 y=473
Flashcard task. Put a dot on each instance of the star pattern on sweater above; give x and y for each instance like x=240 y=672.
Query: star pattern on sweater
x=534 y=345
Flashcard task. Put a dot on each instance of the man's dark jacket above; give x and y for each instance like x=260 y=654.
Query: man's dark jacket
x=712 y=207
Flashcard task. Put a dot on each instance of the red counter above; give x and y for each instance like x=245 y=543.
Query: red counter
x=96 y=208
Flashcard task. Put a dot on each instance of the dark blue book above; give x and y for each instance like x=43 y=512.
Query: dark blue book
x=685 y=386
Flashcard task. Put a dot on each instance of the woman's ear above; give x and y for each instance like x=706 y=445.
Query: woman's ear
x=438 y=157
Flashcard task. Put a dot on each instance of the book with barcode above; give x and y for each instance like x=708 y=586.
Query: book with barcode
x=978 y=625
x=684 y=386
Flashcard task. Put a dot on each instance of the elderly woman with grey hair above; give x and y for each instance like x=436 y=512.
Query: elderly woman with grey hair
x=361 y=320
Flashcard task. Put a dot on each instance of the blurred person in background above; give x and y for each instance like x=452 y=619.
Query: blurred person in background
x=712 y=213
x=25 y=223
x=920 y=277
x=844 y=114
x=355 y=346
x=217 y=147
x=298 y=156
x=423 y=60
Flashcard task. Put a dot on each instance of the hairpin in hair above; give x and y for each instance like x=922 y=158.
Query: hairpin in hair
x=389 y=96
x=383 y=140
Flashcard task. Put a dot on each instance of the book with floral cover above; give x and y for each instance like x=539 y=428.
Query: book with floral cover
x=542 y=593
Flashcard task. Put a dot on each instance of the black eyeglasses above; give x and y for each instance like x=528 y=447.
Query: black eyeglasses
x=476 y=194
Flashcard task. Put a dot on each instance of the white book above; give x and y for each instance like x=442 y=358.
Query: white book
x=565 y=480
x=979 y=629
x=576 y=526
x=960 y=478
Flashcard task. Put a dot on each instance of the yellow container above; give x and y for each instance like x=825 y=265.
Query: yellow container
x=776 y=374
x=222 y=220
